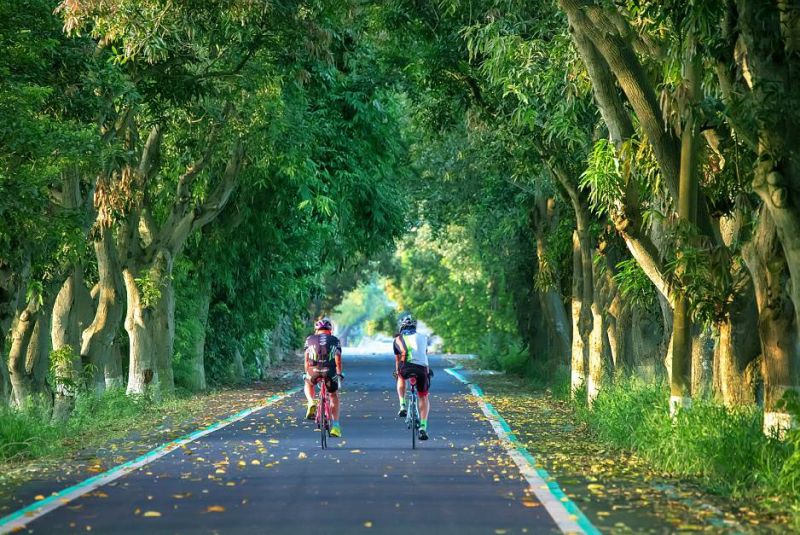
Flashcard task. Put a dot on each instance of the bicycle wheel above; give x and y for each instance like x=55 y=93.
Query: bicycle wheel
x=414 y=420
x=323 y=421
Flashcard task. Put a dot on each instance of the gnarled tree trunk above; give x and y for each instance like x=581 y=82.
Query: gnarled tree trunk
x=71 y=314
x=149 y=325
x=30 y=348
x=97 y=340
x=777 y=320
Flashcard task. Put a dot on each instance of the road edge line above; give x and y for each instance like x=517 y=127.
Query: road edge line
x=564 y=512
x=19 y=519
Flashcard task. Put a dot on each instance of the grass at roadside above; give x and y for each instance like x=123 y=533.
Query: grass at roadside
x=723 y=448
x=633 y=470
x=108 y=429
x=29 y=434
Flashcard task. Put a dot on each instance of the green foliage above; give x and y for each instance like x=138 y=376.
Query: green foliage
x=367 y=303
x=501 y=351
x=443 y=283
x=603 y=178
x=150 y=289
x=46 y=131
x=704 y=273
x=634 y=284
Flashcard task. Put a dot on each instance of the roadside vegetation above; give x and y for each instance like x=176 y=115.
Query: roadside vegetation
x=602 y=195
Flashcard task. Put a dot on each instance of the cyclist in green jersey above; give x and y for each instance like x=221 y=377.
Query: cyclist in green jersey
x=411 y=360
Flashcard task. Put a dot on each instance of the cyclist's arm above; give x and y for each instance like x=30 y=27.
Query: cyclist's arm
x=305 y=358
x=399 y=356
x=338 y=359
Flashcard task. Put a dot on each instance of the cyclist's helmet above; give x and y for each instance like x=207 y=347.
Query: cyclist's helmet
x=323 y=324
x=407 y=323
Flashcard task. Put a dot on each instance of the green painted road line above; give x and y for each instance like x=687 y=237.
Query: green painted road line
x=19 y=519
x=567 y=515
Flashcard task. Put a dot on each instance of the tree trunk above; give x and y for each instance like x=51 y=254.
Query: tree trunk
x=197 y=375
x=150 y=326
x=71 y=314
x=558 y=324
x=163 y=326
x=579 y=333
x=681 y=381
x=28 y=356
x=736 y=351
x=702 y=362
x=736 y=363
x=113 y=371
x=237 y=366
x=777 y=322
x=97 y=340
x=618 y=316
x=549 y=298
x=597 y=337
x=142 y=376
x=12 y=294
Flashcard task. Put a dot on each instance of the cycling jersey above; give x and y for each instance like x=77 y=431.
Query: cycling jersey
x=322 y=348
x=415 y=346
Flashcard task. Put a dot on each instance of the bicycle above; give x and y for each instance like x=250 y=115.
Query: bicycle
x=323 y=417
x=412 y=412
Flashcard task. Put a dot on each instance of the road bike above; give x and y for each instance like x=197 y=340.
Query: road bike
x=412 y=412
x=323 y=417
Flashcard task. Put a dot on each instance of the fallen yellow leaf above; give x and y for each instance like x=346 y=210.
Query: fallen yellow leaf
x=151 y=514
x=215 y=509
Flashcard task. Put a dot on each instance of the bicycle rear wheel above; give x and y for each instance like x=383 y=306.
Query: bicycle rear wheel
x=323 y=421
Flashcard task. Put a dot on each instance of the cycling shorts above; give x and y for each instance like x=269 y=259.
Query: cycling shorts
x=315 y=376
x=419 y=372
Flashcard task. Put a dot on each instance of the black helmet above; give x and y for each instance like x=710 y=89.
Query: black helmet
x=407 y=323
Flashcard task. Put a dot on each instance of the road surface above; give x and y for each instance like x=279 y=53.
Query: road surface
x=267 y=474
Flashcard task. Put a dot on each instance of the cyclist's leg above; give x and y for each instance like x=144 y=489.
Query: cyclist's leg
x=311 y=405
x=308 y=389
x=424 y=406
x=423 y=385
x=333 y=387
x=333 y=397
x=401 y=390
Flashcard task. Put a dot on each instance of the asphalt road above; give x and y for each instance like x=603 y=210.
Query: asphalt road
x=267 y=474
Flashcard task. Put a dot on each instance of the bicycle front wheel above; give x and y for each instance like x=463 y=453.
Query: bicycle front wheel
x=414 y=420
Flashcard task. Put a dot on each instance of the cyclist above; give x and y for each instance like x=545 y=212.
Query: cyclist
x=322 y=349
x=411 y=360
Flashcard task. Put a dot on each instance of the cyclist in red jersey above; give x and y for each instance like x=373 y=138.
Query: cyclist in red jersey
x=322 y=349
